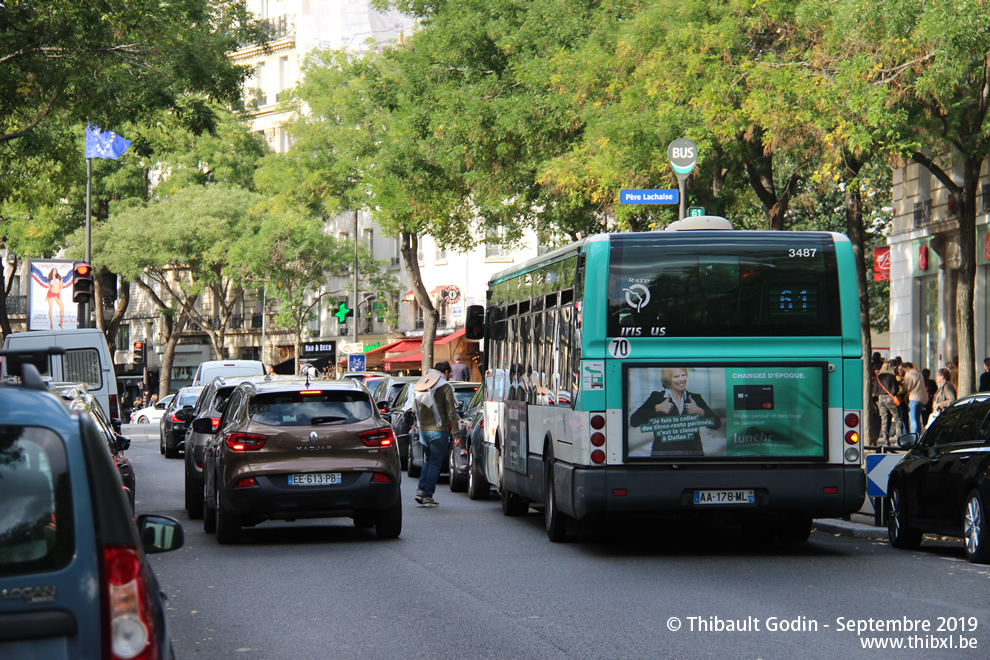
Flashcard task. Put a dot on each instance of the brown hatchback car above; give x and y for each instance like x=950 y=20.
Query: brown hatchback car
x=294 y=450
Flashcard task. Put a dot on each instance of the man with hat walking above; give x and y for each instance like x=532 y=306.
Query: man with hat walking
x=436 y=413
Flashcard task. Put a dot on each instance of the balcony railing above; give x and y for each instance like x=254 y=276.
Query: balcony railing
x=923 y=213
x=17 y=305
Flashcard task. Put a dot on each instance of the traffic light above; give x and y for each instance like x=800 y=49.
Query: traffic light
x=82 y=282
x=139 y=352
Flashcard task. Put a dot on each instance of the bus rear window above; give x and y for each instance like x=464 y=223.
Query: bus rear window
x=723 y=284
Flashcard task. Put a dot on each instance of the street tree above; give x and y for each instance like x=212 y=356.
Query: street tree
x=176 y=248
x=291 y=255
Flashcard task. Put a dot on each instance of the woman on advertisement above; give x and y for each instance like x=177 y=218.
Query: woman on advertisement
x=674 y=415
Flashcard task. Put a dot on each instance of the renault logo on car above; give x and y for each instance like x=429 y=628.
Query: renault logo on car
x=312 y=437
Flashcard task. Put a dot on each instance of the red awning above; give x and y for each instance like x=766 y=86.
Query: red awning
x=412 y=357
x=397 y=346
x=409 y=295
x=437 y=289
x=449 y=338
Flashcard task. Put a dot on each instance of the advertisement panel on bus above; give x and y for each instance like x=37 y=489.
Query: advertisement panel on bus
x=755 y=411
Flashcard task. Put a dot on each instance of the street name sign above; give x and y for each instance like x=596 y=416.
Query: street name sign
x=649 y=197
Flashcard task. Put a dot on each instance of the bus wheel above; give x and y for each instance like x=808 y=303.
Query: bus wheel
x=794 y=530
x=512 y=504
x=556 y=522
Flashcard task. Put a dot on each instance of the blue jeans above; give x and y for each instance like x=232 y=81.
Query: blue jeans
x=916 y=409
x=434 y=449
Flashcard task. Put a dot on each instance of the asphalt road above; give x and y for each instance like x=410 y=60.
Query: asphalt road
x=463 y=581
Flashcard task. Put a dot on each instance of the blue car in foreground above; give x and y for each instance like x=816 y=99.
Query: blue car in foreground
x=74 y=581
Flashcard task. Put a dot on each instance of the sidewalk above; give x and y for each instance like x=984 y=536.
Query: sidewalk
x=860 y=526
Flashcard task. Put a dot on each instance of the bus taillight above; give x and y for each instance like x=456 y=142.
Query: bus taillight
x=852 y=437
x=598 y=421
x=598 y=456
x=852 y=420
x=598 y=438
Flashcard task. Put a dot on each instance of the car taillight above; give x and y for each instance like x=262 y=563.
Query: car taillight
x=172 y=418
x=244 y=441
x=310 y=392
x=378 y=438
x=128 y=605
x=381 y=478
x=216 y=423
x=246 y=483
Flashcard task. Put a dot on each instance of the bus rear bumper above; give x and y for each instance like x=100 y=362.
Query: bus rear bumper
x=779 y=490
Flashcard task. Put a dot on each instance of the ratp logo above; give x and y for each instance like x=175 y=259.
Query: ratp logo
x=637 y=297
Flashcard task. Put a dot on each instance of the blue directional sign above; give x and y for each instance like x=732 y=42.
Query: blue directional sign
x=356 y=362
x=878 y=467
x=649 y=197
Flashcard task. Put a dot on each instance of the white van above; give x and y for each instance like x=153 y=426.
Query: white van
x=210 y=369
x=86 y=360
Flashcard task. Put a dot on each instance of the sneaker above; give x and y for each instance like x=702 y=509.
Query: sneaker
x=419 y=496
x=429 y=502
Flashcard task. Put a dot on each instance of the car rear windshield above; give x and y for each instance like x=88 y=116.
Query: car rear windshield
x=36 y=521
x=188 y=399
x=303 y=409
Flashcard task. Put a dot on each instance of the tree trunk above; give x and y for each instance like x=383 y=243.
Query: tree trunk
x=854 y=229
x=409 y=244
x=5 y=287
x=965 y=322
x=119 y=310
x=168 y=356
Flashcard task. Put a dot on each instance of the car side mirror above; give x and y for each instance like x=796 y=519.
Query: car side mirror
x=382 y=406
x=460 y=406
x=907 y=441
x=184 y=415
x=203 y=425
x=160 y=533
x=115 y=423
x=123 y=443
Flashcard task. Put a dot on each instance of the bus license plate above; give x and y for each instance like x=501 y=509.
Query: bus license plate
x=724 y=497
x=315 y=479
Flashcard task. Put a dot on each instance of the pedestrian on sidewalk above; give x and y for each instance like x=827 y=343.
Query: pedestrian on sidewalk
x=436 y=414
x=917 y=395
x=890 y=416
x=459 y=371
x=946 y=393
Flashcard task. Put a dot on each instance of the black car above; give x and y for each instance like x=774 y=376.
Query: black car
x=173 y=426
x=941 y=485
x=73 y=572
x=387 y=392
x=460 y=459
x=84 y=403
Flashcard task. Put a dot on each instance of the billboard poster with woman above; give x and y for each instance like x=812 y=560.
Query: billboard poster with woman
x=748 y=411
x=50 y=305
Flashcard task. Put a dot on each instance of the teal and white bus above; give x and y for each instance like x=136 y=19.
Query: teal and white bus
x=682 y=372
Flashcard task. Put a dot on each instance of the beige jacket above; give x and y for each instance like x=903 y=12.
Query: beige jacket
x=914 y=385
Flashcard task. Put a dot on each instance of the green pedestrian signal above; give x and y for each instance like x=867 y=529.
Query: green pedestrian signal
x=343 y=312
x=695 y=211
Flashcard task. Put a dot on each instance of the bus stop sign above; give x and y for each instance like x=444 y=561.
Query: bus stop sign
x=682 y=154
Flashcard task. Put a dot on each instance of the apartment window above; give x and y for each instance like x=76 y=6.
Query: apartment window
x=419 y=250
x=493 y=247
x=396 y=252
x=369 y=239
x=344 y=237
x=283 y=140
x=441 y=253
x=283 y=73
x=259 y=78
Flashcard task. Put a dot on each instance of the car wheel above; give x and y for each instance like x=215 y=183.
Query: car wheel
x=899 y=531
x=209 y=514
x=458 y=480
x=975 y=529
x=794 y=530
x=171 y=452
x=414 y=470
x=194 y=498
x=478 y=487
x=142 y=420
x=228 y=525
x=556 y=522
x=388 y=525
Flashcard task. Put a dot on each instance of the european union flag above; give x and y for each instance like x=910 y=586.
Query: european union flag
x=104 y=144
